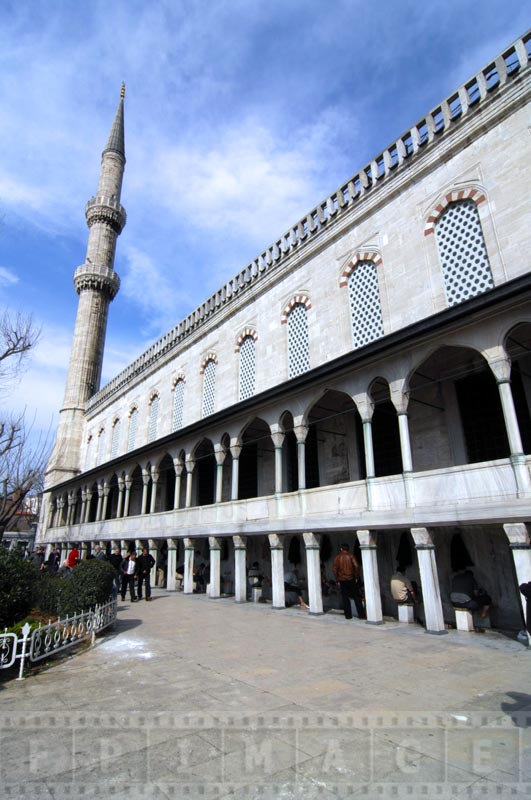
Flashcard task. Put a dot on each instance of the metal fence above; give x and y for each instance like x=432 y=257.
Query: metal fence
x=47 y=640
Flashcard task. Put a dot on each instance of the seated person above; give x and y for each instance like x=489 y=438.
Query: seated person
x=291 y=586
x=402 y=589
x=254 y=576
x=466 y=593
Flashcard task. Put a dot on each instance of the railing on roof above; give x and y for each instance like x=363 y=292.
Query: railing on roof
x=469 y=96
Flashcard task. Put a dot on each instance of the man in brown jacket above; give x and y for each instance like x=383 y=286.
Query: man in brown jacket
x=346 y=572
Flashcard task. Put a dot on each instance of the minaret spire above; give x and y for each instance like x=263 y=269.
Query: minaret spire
x=97 y=284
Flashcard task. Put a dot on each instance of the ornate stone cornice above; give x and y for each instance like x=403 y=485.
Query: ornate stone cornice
x=106 y=210
x=97 y=277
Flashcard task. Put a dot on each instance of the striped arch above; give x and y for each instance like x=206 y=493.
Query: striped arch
x=209 y=357
x=472 y=193
x=243 y=335
x=360 y=255
x=295 y=300
x=179 y=377
x=154 y=393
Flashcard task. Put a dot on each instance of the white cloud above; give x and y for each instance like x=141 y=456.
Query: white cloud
x=7 y=277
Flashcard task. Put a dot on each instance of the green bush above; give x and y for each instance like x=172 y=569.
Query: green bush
x=18 y=580
x=54 y=596
x=90 y=585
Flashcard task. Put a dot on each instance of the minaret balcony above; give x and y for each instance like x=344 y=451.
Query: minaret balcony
x=97 y=277
x=107 y=210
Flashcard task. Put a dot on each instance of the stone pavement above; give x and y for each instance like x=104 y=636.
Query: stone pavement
x=196 y=698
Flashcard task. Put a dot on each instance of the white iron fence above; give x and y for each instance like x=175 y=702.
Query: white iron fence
x=46 y=640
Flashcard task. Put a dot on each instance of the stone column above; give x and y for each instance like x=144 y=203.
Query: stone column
x=313 y=568
x=47 y=551
x=155 y=475
x=240 y=568
x=106 y=490
x=178 y=467
x=69 y=509
x=83 y=551
x=120 y=504
x=220 y=460
x=153 y=551
x=278 y=440
x=369 y=451
x=235 y=450
x=371 y=579
x=188 y=586
x=139 y=545
x=520 y=545
x=276 y=542
x=100 y=501
x=301 y=432
x=60 y=507
x=171 y=568
x=123 y=547
x=215 y=567
x=128 y=483
x=431 y=595
x=85 y=511
x=190 y=464
x=146 y=477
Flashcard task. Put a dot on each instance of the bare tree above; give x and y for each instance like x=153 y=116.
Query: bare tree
x=22 y=461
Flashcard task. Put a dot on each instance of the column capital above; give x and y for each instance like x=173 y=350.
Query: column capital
x=278 y=439
x=364 y=405
x=517 y=534
x=301 y=433
x=399 y=396
x=189 y=464
x=188 y=543
x=220 y=455
x=422 y=539
x=172 y=543
x=235 y=448
x=240 y=542
x=367 y=539
x=311 y=540
x=155 y=474
x=214 y=542
x=276 y=541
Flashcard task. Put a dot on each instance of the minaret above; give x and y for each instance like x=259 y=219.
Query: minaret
x=97 y=284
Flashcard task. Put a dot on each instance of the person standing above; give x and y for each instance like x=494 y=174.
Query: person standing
x=54 y=560
x=144 y=565
x=347 y=572
x=128 y=571
x=99 y=553
x=115 y=559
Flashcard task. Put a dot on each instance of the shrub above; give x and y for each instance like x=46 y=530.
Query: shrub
x=90 y=585
x=18 y=579
x=54 y=596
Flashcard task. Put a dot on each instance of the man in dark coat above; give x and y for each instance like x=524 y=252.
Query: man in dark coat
x=144 y=565
x=347 y=572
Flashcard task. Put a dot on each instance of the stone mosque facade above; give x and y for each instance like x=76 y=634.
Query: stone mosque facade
x=367 y=379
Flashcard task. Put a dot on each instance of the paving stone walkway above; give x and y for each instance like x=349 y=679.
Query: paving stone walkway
x=196 y=698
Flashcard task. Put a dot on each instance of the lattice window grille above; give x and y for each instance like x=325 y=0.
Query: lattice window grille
x=364 y=301
x=462 y=251
x=209 y=388
x=298 y=341
x=101 y=445
x=178 y=405
x=88 y=458
x=247 y=368
x=153 y=418
x=115 y=438
x=133 y=418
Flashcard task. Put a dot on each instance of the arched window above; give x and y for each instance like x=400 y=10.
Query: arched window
x=133 y=419
x=178 y=405
x=364 y=301
x=298 y=341
x=209 y=387
x=247 y=367
x=101 y=445
x=115 y=437
x=88 y=457
x=153 y=417
x=462 y=251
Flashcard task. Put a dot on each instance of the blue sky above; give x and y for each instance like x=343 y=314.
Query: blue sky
x=240 y=116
